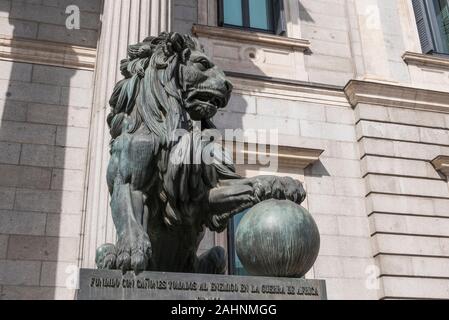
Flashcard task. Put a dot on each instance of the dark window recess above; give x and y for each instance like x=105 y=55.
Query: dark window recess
x=256 y=15
x=235 y=266
x=432 y=19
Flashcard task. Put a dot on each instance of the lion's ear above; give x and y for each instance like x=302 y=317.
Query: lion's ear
x=185 y=56
x=177 y=42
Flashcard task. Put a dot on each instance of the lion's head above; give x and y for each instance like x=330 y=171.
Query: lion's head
x=205 y=87
x=171 y=81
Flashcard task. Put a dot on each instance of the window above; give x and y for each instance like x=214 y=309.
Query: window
x=257 y=15
x=235 y=266
x=432 y=18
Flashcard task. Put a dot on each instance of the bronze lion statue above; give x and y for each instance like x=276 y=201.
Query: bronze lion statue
x=161 y=202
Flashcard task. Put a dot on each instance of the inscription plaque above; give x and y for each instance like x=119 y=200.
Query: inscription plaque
x=113 y=285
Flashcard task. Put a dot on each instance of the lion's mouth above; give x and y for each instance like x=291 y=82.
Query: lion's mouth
x=207 y=97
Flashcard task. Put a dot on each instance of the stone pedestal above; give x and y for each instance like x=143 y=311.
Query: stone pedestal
x=113 y=285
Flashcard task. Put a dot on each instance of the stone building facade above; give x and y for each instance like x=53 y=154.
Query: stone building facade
x=360 y=102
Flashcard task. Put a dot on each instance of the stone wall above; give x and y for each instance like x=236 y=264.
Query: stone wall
x=44 y=133
x=335 y=185
x=377 y=199
x=326 y=24
x=407 y=199
x=185 y=14
x=46 y=20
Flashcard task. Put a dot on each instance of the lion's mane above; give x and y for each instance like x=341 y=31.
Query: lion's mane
x=159 y=104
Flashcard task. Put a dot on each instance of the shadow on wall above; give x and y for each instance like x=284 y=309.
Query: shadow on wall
x=303 y=14
x=316 y=170
x=43 y=134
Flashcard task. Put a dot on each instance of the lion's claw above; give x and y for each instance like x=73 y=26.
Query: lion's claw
x=124 y=262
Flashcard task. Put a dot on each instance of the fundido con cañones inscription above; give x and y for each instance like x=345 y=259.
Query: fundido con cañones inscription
x=108 y=284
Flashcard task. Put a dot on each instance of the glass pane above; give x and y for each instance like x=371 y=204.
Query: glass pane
x=238 y=267
x=260 y=14
x=233 y=14
x=442 y=11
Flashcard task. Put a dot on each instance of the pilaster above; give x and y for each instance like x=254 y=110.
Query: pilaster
x=124 y=22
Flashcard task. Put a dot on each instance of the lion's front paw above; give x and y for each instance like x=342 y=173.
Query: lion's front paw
x=281 y=188
x=292 y=190
x=261 y=190
x=133 y=252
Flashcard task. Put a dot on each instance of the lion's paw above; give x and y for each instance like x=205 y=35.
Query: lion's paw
x=293 y=190
x=134 y=253
x=281 y=188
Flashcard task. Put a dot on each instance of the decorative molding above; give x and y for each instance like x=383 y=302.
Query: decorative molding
x=288 y=89
x=299 y=158
x=285 y=81
x=259 y=38
x=47 y=53
x=292 y=157
x=441 y=163
x=425 y=60
x=396 y=96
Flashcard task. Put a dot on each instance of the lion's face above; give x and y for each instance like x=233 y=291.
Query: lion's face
x=204 y=85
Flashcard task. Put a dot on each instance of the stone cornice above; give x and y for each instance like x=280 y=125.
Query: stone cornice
x=47 y=53
x=441 y=163
x=292 y=157
x=288 y=89
x=425 y=60
x=262 y=39
x=298 y=157
x=390 y=95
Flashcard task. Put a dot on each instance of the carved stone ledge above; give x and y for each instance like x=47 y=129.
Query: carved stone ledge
x=441 y=163
x=250 y=37
x=47 y=53
x=298 y=157
x=288 y=89
x=396 y=96
x=291 y=157
x=425 y=60
x=428 y=71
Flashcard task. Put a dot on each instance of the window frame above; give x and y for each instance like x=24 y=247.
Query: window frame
x=433 y=30
x=231 y=230
x=246 y=19
x=231 y=247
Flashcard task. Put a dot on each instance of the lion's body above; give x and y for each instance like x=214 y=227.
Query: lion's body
x=135 y=159
x=163 y=195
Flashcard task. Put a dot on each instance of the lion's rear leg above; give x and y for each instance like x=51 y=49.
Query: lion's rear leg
x=130 y=171
x=133 y=248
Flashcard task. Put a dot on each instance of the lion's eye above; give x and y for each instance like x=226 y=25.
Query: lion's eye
x=204 y=63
